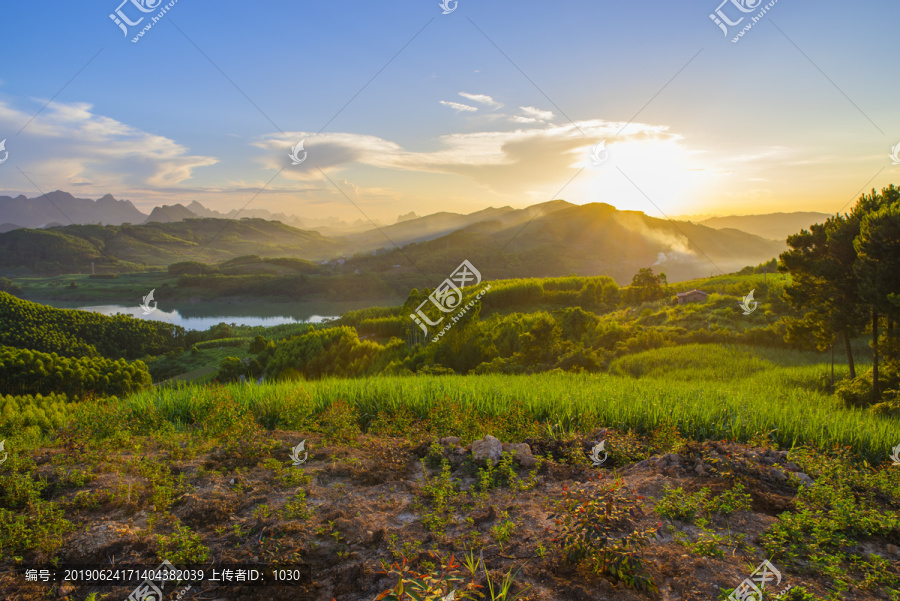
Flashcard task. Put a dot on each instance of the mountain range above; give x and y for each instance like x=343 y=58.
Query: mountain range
x=774 y=226
x=555 y=238
x=62 y=208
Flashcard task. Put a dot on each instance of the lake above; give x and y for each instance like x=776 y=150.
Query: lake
x=204 y=315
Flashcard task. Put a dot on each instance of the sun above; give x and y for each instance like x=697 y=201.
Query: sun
x=657 y=176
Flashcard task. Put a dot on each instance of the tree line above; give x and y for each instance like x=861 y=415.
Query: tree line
x=846 y=282
x=25 y=372
x=71 y=333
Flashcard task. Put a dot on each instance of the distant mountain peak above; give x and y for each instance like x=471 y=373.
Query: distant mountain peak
x=61 y=207
x=170 y=214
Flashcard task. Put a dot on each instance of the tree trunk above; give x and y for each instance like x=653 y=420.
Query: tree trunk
x=849 y=354
x=892 y=344
x=875 y=354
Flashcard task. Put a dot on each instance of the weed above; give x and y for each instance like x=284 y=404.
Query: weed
x=39 y=527
x=182 y=547
x=732 y=500
x=707 y=545
x=440 y=491
x=596 y=529
x=666 y=438
x=435 y=455
x=340 y=422
x=678 y=505
x=504 y=530
x=296 y=508
x=434 y=585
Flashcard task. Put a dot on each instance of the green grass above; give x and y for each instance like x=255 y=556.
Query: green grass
x=128 y=288
x=707 y=392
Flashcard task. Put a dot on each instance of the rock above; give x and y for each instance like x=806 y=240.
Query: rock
x=521 y=452
x=673 y=458
x=777 y=474
x=527 y=460
x=450 y=441
x=515 y=448
x=804 y=479
x=699 y=469
x=488 y=449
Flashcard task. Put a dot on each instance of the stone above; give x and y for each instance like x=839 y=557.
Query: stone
x=673 y=458
x=777 y=474
x=521 y=452
x=488 y=450
x=804 y=479
x=527 y=460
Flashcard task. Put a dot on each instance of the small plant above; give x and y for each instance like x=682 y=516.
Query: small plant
x=707 y=545
x=595 y=529
x=182 y=547
x=504 y=530
x=435 y=455
x=296 y=508
x=666 y=438
x=335 y=534
x=678 y=505
x=340 y=422
x=433 y=585
x=730 y=501
x=440 y=492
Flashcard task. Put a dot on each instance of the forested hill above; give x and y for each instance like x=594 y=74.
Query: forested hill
x=70 y=333
x=72 y=249
x=592 y=239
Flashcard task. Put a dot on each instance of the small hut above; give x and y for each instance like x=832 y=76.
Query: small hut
x=692 y=296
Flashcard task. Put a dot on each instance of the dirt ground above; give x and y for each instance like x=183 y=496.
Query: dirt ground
x=366 y=511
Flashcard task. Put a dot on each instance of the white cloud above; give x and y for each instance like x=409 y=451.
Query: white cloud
x=531 y=114
x=69 y=144
x=510 y=162
x=458 y=106
x=482 y=99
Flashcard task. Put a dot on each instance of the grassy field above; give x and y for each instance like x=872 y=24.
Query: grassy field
x=127 y=288
x=708 y=392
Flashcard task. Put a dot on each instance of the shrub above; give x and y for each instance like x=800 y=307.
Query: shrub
x=596 y=529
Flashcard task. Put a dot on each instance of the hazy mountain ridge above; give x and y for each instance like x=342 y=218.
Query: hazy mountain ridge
x=62 y=207
x=544 y=240
x=774 y=226
x=592 y=239
x=72 y=249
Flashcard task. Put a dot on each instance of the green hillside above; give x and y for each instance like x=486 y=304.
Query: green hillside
x=70 y=333
x=132 y=247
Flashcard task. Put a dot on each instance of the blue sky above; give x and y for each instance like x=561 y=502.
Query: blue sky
x=800 y=114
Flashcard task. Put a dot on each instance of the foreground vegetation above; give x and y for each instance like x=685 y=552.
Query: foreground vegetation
x=195 y=473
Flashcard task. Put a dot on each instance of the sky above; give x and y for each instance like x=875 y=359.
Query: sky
x=647 y=106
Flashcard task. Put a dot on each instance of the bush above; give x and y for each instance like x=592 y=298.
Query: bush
x=596 y=529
